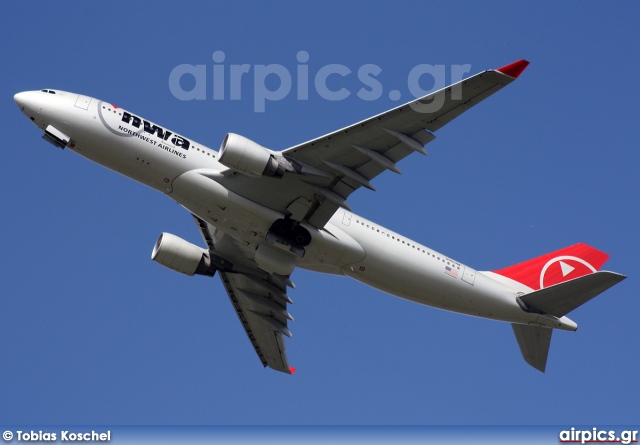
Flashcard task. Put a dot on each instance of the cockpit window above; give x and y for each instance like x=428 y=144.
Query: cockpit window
x=48 y=91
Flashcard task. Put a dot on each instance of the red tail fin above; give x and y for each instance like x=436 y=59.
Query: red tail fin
x=556 y=267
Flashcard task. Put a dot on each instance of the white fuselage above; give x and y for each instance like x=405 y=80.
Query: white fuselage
x=348 y=245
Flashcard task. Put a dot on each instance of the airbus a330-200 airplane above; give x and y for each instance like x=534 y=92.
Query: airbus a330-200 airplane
x=262 y=213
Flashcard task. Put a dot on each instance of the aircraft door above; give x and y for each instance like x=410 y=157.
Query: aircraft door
x=83 y=102
x=468 y=275
x=346 y=218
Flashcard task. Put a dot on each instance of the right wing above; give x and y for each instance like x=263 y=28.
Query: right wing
x=262 y=309
x=259 y=299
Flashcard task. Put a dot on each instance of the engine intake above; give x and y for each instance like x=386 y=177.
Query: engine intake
x=245 y=156
x=177 y=254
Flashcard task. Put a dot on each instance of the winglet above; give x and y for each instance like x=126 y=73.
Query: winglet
x=292 y=370
x=514 y=69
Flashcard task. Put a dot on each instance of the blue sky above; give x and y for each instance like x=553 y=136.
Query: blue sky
x=94 y=332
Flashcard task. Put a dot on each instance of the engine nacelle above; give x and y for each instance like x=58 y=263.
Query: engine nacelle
x=182 y=256
x=245 y=156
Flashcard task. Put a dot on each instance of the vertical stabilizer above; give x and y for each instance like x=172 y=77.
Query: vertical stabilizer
x=556 y=267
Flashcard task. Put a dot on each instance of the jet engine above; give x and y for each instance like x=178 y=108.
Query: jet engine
x=182 y=256
x=245 y=156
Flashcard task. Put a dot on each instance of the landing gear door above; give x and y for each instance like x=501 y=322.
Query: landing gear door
x=469 y=275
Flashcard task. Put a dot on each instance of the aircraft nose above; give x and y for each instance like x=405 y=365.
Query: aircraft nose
x=29 y=103
x=20 y=99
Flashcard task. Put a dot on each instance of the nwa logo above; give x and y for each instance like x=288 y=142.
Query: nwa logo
x=564 y=268
x=153 y=129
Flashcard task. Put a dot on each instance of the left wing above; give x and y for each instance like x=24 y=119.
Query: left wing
x=323 y=172
x=259 y=299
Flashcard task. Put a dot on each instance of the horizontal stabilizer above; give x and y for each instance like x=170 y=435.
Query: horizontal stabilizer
x=562 y=298
x=534 y=344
